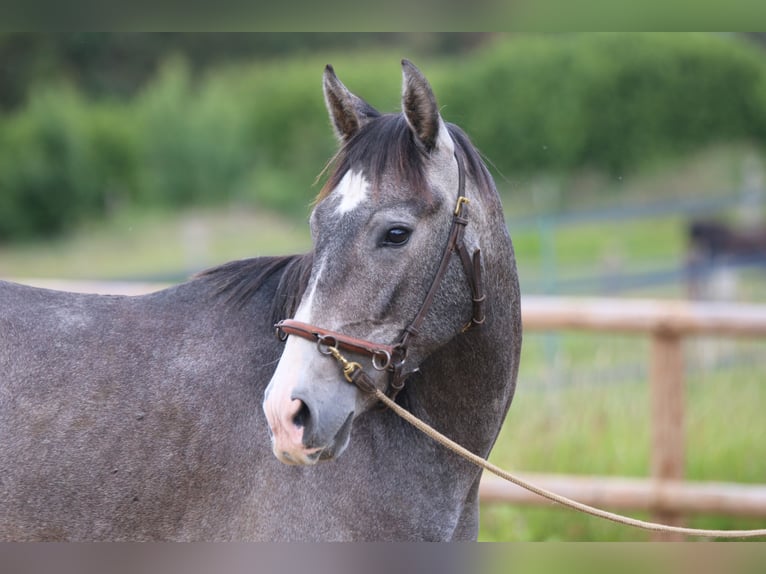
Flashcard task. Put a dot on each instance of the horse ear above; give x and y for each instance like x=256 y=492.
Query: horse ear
x=348 y=112
x=421 y=110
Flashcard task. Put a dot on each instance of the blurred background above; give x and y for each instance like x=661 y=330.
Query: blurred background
x=630 y=165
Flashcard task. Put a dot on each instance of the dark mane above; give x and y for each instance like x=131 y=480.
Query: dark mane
x=240 y=280
x=474 y=165
x=384 y=145
x=387 y=145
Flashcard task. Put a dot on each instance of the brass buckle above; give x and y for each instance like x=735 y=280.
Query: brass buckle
x=461 y=201
x=329 y=346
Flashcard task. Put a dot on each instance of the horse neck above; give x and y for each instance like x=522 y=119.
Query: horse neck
x=466 y=387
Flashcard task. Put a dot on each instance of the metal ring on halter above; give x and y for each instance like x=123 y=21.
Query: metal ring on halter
x=324 y=344
x=378 y=363
x=281 y=334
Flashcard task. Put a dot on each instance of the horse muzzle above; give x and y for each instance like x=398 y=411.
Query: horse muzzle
x=308 y=408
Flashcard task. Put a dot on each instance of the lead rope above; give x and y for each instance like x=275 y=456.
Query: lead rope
x=486 y=465
x=354 y=373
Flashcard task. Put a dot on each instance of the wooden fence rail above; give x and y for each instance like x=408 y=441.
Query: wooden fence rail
x=635 y=494
x=643 y=316
x=668 y=323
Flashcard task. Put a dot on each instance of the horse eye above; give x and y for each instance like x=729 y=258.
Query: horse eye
x=396 y=236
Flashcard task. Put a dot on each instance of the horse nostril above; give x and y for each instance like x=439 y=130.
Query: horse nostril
x=301 y=418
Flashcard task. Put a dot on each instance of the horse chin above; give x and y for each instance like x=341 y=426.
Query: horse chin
x=309 y=456
x=339 y=442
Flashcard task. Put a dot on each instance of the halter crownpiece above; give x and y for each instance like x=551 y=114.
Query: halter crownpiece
x=393 y=357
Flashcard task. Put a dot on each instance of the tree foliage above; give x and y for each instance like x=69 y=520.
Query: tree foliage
x=257 y=130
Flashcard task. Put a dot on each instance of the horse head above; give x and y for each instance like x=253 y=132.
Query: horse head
x=384 y=288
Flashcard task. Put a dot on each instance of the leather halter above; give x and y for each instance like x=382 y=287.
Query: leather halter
x=393 y=357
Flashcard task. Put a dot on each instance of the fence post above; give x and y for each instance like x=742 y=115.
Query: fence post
x=667 y=411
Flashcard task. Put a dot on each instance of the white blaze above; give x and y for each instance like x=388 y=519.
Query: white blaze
x=298 y=357
x=352 y=190
x=305 y=309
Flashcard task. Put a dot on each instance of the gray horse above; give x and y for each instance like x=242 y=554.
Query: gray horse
x=171 y=416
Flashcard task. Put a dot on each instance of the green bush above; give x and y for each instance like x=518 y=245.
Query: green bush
x=256 y=134
x=609 y=101
x=62 y=160
x=259 y=132
x=194 y=139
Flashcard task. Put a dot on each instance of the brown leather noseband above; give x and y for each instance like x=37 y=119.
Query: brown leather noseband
x=392 y=357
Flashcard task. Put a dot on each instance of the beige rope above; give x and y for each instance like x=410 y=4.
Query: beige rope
x=479 y=461
x=353 y=373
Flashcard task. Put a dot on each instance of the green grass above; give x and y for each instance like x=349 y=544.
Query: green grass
x=163 y=245
x=561 y=422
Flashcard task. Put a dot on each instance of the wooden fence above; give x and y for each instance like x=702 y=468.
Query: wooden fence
x=668 y=323
x=665 y=493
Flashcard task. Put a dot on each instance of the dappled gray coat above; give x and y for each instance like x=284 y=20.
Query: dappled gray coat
x=149 y=418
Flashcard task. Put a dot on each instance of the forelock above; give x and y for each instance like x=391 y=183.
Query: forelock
x=383 y=147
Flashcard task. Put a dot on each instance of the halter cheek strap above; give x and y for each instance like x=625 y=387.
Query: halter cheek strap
x=392 y=357
x=471 y=265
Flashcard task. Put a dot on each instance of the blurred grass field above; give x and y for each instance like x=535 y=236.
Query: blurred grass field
x=589 y=415
x=160 y=245
x=582 y=400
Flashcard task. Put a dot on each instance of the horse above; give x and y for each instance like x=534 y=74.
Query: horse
x=181 y=415
x=713 y=240
x=715 y=250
